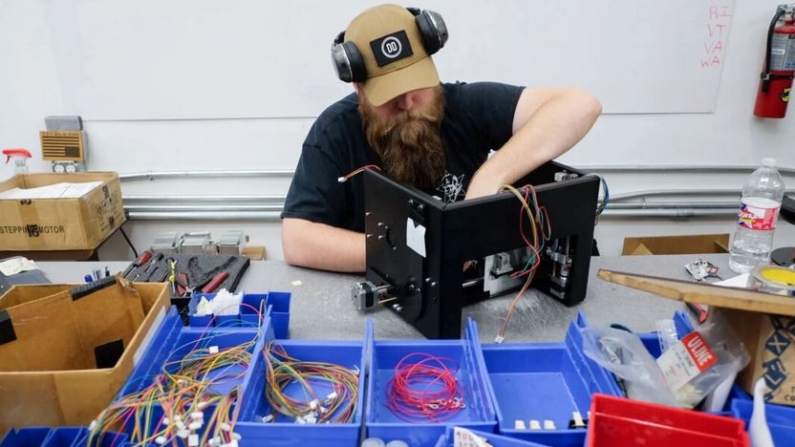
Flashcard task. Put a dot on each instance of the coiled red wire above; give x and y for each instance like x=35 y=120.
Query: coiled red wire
x=424 y=388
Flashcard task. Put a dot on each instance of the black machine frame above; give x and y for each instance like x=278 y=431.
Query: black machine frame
x=429 y=292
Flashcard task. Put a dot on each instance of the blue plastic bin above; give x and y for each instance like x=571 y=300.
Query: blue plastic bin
x=541 y=382
x=478 y=413
x=172 y=343
x=448 y=439
x=284 y=431
x=276 y=305
x=25 y=437
x=780 y=420
x=64 y=436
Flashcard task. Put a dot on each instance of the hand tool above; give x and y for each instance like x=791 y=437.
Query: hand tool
x=143 y=259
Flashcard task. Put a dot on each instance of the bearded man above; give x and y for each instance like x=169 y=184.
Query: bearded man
x=435 y=136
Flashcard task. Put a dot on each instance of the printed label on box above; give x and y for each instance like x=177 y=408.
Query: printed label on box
x=685 y=360
x=776 y=358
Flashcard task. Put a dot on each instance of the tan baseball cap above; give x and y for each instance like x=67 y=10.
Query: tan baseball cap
x=391 y=46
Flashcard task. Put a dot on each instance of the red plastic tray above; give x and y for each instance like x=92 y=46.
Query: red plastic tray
x=620 y=422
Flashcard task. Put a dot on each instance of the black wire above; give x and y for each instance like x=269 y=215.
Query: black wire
x=135 y=252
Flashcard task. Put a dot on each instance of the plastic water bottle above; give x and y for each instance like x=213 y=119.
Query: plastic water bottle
x=756 y=221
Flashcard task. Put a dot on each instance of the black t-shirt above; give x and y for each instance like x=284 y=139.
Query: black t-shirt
x=478 y=118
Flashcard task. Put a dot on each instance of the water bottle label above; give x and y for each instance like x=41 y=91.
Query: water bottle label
x=757 y=218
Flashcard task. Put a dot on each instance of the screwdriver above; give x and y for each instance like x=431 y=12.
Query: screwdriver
x=143 y=259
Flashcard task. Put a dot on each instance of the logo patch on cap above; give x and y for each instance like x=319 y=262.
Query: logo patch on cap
x=390 y=48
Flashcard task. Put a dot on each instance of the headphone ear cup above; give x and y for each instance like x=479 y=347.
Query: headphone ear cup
x=433 y=30
x=348 y=62
x=357 y=67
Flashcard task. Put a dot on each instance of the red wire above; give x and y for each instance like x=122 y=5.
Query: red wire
x=424 y=390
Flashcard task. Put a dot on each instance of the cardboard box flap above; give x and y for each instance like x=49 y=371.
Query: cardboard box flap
x=719 y=296
x=676 y=245
x=82 y=328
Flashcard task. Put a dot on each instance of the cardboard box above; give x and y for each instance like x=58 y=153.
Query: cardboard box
x=64 y=223
x=764 y=323
x=676 y=245
x=66 y=351
x=255 y=252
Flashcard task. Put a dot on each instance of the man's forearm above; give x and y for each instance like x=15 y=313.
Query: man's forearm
x=323 y=247
x=549 y=130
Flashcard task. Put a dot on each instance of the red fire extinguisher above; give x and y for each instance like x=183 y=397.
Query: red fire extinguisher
x=775 y=84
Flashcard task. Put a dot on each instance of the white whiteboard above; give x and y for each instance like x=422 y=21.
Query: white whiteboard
x=202 y=59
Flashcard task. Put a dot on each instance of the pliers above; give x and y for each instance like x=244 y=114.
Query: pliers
x=208 y=284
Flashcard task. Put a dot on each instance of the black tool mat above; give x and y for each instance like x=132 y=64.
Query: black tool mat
x=28 y=277
x=199 y=269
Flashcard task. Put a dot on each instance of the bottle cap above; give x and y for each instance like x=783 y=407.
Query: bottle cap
x=373 y=442
x=769 y=162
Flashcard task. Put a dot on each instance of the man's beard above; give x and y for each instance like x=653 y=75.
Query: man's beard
x=409 y=144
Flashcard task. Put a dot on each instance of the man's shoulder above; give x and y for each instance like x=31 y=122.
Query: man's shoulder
x=338 y=115
x=476 y=87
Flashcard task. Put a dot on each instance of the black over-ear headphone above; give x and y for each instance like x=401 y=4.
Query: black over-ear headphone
x=348 y=61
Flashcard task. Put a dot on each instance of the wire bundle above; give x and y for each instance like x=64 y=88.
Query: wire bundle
x=282 y=370
x=541 y=231
x=170 y=410
x=424 y=387
x=605 y=200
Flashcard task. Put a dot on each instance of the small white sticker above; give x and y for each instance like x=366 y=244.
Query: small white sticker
x=415 y=236
x=685 y=360
x=465 y=438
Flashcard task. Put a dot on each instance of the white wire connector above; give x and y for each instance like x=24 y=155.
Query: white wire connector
x=166 y=421
x=330 y=398
x=311 y=418
x=160 y=440
x=578 y=422
x=193 y=440
x=213 y=349
x=300 y=420
x=535 y=425
x=267 y=418
x=519 y=425
x=313 y=404
x=226 y=427
x=232 y=443
x=341 y=179
x=183 y=433
x=549 y=425
x=197 y=416
x=499 y=339
x=195 y=425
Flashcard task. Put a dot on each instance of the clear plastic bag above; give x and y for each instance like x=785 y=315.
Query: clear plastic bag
x=623 y=354
x=677 y=377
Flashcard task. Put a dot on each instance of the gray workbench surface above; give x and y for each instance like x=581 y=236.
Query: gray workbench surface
x=321 y=306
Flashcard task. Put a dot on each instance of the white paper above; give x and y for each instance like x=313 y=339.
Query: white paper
x=415 y=237
x=17 y=265
x=54 y=191
x=740 y=281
